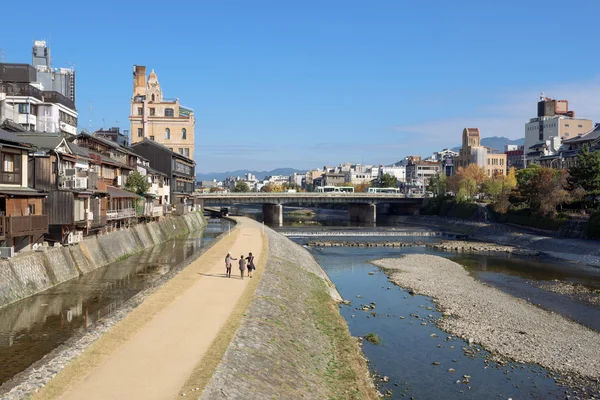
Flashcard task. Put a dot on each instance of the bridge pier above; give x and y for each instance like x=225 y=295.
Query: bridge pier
x=273 y=214
x=362 y=213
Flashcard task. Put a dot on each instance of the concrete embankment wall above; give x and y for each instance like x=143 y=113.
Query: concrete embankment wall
x=292 y=342
x=31 y=273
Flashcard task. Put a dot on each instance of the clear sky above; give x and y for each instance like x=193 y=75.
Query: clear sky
x=306 y=83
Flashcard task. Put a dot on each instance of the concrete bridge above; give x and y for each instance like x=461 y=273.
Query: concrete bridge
x=362 y=207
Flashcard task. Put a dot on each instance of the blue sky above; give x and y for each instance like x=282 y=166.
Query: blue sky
x=306 y=83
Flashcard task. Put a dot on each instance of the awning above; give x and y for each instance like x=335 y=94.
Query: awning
x=120 y=193
x=25 y=192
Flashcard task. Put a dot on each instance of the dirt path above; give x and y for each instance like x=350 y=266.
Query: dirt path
x=153 y=351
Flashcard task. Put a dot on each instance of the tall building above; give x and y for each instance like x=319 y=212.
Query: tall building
x=157 y=118
x=37 y=97
x=554 y=119
x=472 y=152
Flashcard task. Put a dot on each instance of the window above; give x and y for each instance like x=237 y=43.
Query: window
x=167 y=133
x=184 y=133
x=31 y=208
x=186 y=152
x=151 y=137
x=153 y=99
x=11 y=168
x=140 y=111
x=180 y=151
x=140 y=132
x=580 y=126
x=152 y=109
x=566 y=125
x=23 y=108
x=169 y=112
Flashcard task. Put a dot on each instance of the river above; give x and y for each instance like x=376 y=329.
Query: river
x=411 y=342
x=33 y=327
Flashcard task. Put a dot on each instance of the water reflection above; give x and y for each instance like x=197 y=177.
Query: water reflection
x=32 y=327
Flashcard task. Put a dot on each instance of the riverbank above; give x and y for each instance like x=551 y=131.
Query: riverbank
x=292 y=343
x=38 y=374
x=503 y=324
x=30 y=273
x=573 y=250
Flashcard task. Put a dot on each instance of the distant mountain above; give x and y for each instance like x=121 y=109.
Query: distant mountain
x=497 y=143
x=241 y=172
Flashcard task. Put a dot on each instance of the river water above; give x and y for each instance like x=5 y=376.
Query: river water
x=32 y=327
x=410 y=345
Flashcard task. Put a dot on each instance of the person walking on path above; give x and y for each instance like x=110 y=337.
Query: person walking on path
x=242 y=265
x=251 y=266
x=228 y=259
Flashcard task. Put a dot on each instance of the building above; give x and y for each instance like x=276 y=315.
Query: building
x=565 y=156
x=76 y=198
x=554 y=119
x=420 y=172
x=472 y=152
x=23 y=221
x=61 y=80
x=113 y=134
x=38 y=98
x=514 y=156
x=157 y=118
x=399 y=172
x=179 y=169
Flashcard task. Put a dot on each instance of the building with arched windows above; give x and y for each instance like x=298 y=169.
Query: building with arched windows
x=155 y=117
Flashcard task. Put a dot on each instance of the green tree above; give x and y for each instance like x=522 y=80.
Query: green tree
x=386 y=181
x=241 y=187
x=137 y=183
x=585 y=173
x=437 y=185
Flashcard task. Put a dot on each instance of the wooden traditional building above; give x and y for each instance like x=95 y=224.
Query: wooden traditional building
x=180 y=170
x=76 y=200
x=22 y=218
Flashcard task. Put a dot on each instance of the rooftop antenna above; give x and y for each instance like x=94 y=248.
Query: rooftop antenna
x=91 y=112
x=2 y=56
x=542 y=96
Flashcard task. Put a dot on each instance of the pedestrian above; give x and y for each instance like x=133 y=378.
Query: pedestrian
x=228 y=259
x=242 y=265
x=251 y=266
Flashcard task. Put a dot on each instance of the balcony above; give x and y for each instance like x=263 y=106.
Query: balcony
x=120 y=214
x=23 y=225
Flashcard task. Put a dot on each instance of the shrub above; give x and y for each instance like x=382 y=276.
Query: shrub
x=592 y=229
x=373 y=338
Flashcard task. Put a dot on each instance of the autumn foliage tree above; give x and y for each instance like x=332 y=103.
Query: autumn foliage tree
x=544 y=189
x=466 y=183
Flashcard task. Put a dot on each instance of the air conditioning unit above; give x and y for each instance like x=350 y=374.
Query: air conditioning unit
x=70 y=238
x=69 y=184
x=80 y=183
x=70 y=171
x=77 y=236
x=7 y=252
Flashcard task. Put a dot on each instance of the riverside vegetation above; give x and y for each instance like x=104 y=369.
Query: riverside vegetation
x=537 y=197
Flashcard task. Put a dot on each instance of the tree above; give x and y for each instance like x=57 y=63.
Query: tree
x=386 y=181
x=215 y=189
x=361 y=187
x=137 y=183
x=544 y=188
x=241 y=187
x=585 y=173
x=467 y=182
x=437 y=185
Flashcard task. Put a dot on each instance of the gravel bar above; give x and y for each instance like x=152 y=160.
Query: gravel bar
x=503 y=324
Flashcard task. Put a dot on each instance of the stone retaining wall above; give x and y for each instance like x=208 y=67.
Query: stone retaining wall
x=31 y=273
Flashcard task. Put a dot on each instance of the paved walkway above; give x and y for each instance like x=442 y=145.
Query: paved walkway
x=152 y=352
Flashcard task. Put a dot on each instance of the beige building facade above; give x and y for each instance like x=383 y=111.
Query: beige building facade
x=472 y=152
x=157 y=118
